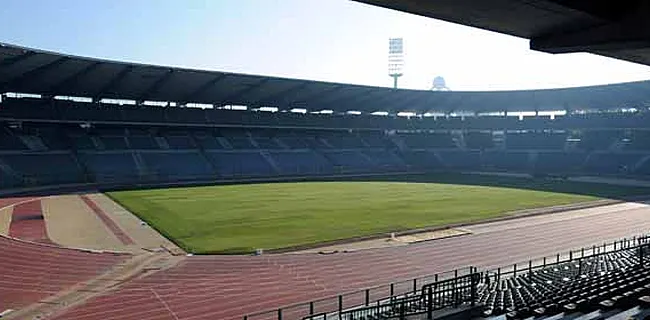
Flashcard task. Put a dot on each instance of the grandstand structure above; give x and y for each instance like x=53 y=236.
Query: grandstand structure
x=109 y=123
x=76 y=123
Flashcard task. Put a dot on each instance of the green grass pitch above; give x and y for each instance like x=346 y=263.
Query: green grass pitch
x=240 y=218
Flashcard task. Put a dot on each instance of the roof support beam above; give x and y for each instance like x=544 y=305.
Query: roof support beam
x=236 y=97
x=632 y=32
x=344 y=97
x=155 y=87
x=411 y=102
x=320 y=93
x=279 y=95
x=34 y=73
x=202 y=89
x=15 y=59
x=73 y=79
x=110 y=86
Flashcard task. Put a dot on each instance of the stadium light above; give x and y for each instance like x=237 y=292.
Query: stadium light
x=395 y=59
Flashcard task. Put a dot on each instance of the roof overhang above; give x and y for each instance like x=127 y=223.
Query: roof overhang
x=27 y=70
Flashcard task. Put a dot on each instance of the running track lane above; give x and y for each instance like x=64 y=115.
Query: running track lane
x=28 y=223
x=228 y=287
x=121 y=235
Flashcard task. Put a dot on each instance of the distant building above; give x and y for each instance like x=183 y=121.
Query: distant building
x=439 y=84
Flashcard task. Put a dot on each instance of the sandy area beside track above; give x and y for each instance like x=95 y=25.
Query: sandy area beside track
x=71 y=223
x=142 y=234
x=5 y=220
x=388 y=242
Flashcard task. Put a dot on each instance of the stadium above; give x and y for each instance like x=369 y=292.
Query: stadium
x=135 y=191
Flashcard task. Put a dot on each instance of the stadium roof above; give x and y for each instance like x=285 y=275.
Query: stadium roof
x=612 y=28
x=25 y=70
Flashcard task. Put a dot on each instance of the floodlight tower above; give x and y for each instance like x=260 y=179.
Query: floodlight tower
x=395 y=59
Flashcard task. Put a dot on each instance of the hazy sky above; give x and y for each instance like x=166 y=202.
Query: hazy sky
x=331 y=40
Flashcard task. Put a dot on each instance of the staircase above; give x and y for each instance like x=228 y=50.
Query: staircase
x=9 y=171
x=162 y=142
x=459 y=139
x=34 y=143
x=205 y=157
x=224 y=142
x=532 y=160
x=139 y=164
x=399 y=143
x=267 y=156
x=280 y=143
x=639 y=164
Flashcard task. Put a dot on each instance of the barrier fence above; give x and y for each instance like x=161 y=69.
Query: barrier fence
x=349 y=300
x=430 y=293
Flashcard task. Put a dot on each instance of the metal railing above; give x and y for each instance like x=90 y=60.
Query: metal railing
x=358 y=298
x=530 y=266
x=450 y=293
x=446 y=290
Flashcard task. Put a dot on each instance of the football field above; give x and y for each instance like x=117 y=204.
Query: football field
x=241 y=218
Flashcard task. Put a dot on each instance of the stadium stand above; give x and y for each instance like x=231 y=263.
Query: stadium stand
x=602 y=282
x=130 y=142
x=85 y=152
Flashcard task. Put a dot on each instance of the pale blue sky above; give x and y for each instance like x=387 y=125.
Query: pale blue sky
x=331 y=40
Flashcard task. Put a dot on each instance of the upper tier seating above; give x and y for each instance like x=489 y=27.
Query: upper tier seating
x=599 y=140
x=428 y=140
x=538 y=141
x=479 y=140
x=9 y=140
x=31 y=108
x=207 y=141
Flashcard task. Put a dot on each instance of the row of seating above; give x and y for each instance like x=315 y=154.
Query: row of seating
x=21 y=168
x=43 y=136
x=613 y=285
x=36 y=108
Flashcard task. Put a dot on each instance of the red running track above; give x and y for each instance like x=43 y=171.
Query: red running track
x=30 y=272
x=5 y=202
x=121 y=235
x=28 y=223
x=228 y=287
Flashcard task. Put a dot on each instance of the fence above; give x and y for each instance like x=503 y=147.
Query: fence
x=365 y=297
x=430 y=293
x=434 y=296
x=572 y=255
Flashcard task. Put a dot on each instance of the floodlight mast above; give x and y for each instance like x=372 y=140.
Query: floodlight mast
x=395 y=59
